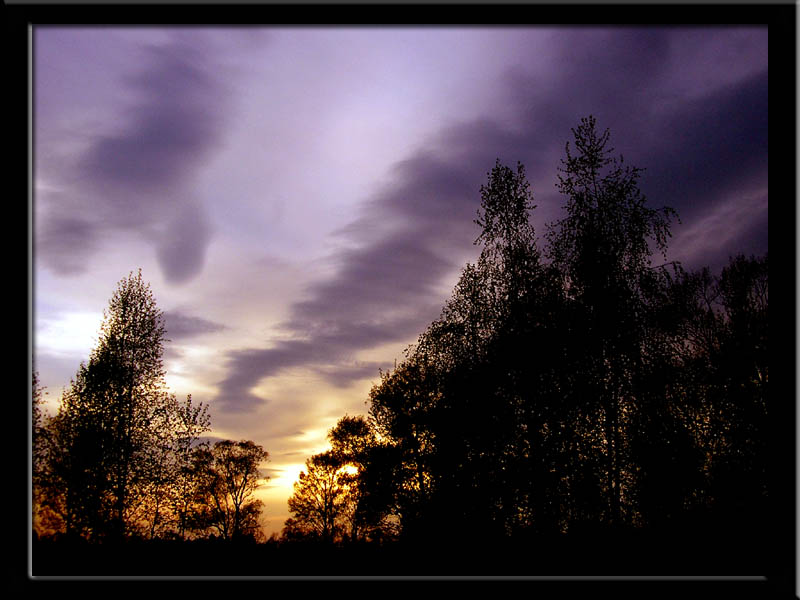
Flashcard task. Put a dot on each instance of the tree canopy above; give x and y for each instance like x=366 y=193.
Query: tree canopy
x=569 y=384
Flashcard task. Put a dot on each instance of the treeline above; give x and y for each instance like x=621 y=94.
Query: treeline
x=123 y=458
x=573 y=404
x=570 y=389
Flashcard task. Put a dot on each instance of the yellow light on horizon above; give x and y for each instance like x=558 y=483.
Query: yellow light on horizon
x=289 y=474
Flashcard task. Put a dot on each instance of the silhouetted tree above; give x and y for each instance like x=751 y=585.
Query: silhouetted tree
x=353 y=443
x=191 y=422
x=730 y=329
x=125 y=378
x=459 y=411
x=172 y=479
x=603 y=248
x=113 y=449
x=39 y=444
x=400 y=479
x=521 y=408
x=77 y=469
x=229 y=475
x=319 y=504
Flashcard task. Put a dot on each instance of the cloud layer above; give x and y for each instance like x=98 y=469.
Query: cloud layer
x=689 y=105
x=418 y=229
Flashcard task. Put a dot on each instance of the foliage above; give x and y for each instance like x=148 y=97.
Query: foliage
x=120 y=457
x=39 y=448
x=228 y=475
x=567 y=387
x=319 y=503
x=578 y=385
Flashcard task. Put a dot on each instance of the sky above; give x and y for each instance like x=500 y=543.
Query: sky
x=302 y=200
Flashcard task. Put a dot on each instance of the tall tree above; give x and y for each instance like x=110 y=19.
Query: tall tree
x=603 y=248
x=126 y=377
x=111 y=419
x=595 y=388
x=456 y=411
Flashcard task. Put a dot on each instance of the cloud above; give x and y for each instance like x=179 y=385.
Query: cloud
x=415 y=232
x=700 y=133
x=182 y=247
x=710 y=145
x=724 y=230
x=385 y=282
x=66 y=242
x=182 y=326
x=138 y=176
x=342 y=375
x=174 y=123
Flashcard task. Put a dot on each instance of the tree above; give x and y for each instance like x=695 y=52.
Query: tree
x=112 y=439
x=351 y=440
x=172 y=482
x=77 y=481
x=399 y=478
x=367 y=509
x=191 y=422
x=39 y=443
x=578 y=387
x=458 y=414
x=603 y=248
x=125 y=378
x=319 y=502
x=729 y=330
x=229 y=476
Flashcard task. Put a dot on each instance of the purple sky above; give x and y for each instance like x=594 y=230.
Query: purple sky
x=301 y=200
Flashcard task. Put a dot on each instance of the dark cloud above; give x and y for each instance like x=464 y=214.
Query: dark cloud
x=419 y=228
x=709 y=147
x=182 y=326
x=705 y=149
x=65 y=242
x=396 y=272
x=248 y=367
x=330 y=346
x=175 y=122
x=137 y=177
x=385 y=286
x=182 y=248
x=342 y=375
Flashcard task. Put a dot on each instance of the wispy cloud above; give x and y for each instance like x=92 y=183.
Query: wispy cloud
x=724 y=229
